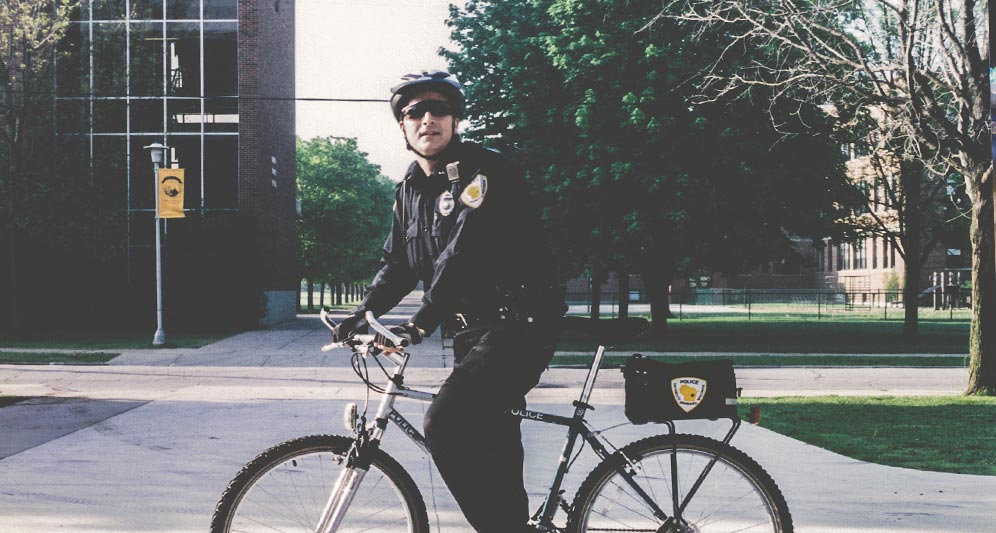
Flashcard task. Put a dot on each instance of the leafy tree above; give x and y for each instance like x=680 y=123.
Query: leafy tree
x=906 y=201
x=55 y=231
x=345 y=210
x=923 y=63
x=640 y=178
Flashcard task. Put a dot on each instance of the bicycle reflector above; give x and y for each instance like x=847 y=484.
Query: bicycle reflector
x=349 y=417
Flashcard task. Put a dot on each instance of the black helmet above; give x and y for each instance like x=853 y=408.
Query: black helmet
x=434 y=80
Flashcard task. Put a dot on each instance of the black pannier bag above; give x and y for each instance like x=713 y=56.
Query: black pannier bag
x=658 y=392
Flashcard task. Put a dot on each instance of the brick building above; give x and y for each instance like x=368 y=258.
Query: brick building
x=214 y=81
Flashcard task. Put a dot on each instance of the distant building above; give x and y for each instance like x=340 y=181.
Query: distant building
x=214 y=81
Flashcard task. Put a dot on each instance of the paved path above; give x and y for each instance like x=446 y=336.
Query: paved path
x=149 y=442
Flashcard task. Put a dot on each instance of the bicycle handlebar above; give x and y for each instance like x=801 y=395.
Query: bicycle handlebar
x=359 y=340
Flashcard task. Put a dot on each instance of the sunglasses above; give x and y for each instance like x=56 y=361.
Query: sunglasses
x=438 y=108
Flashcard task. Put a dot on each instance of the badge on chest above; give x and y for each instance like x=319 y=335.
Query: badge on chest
x=473 y=194
x=445 y=203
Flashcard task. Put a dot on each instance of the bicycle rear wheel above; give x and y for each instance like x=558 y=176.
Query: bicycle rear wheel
x=735 y=495
x=286 y=488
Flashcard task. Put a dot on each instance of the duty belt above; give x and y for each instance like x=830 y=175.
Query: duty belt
x=462 y=321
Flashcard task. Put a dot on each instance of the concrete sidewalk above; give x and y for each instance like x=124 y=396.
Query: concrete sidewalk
x=148 y=442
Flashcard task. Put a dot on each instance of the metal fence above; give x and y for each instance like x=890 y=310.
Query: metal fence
x=775 y=303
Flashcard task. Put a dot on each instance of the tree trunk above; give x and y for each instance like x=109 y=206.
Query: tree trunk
x=657 y=282
x=321 y=296
x=982 y=336
x=910 y=175
x=311 y=294
x=596 y=294
x=338 y=294
x=623 y=284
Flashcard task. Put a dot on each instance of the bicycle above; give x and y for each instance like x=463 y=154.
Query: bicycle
x=669 y=483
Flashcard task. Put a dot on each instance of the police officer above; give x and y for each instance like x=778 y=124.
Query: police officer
x=464 y=227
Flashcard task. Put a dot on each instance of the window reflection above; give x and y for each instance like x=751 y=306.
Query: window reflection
x=221 y=9
x=109 y=116
x=109 y=59
x=183 y=9
x=73 y=60
x=109 y=9
x=183 y=58
x=146 y=115
x=147 y=9
x=146 y=76
x=220 y=59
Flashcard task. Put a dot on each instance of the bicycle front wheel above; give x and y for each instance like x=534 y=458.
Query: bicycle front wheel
x=286 y=488
x=733 y=495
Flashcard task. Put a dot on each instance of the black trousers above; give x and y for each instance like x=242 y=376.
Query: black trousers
x=475 y=444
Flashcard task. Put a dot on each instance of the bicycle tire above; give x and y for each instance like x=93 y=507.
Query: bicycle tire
x=286 y=488
x=736 y=495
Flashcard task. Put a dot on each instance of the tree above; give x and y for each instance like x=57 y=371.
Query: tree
x=638 y=177
x=54 y=225
x=345 y=210
x=921 y=61
x=906 y=202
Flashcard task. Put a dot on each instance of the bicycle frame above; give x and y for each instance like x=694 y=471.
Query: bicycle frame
x=577 y=427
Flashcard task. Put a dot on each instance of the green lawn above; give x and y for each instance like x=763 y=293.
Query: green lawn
x=944 y=434
x=41 y=358
x=774 y=335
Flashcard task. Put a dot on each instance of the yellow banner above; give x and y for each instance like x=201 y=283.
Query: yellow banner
x=171 y=193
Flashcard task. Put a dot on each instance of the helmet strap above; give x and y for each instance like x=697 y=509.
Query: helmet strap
x=444 y=153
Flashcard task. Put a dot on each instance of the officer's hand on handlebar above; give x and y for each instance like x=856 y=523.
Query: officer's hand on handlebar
x=407 y=332
x=349 y=325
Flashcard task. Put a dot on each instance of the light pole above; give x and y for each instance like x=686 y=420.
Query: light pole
x=157 y=150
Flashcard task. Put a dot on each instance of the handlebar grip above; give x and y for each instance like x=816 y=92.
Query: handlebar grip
x=396 y=340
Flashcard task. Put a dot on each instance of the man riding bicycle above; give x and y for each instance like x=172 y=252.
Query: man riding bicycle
x=464 y=226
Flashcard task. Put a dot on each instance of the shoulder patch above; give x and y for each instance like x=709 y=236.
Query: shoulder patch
x=473 y=194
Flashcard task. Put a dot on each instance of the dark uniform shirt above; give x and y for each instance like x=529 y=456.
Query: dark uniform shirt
x=475 y=242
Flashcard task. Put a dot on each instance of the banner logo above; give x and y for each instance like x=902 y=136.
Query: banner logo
x=688 y=392
x=171 y=193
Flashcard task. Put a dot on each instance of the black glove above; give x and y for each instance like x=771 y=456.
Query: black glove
x=408 y=331
x=349 y=325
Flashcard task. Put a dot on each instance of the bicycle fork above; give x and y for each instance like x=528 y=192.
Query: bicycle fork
x=359 y=456
x=342 y=495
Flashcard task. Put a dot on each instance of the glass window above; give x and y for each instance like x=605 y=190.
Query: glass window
x=110 y=167
x=184 y=58
x=109 y=59
x=184 y=114
x=185 y=153
x=109 y=116
x=221 y=171
x=874 y=252
x=859 y=255
x=147 y=115
x=183 y=9
x=73 y=59
x=143 y=234
x=146 y=59
x=109 y=9
x=146 y=9
x=220 y=59
x=142 y=177
x=221 y=9
x=72 y=116
x=221 y=114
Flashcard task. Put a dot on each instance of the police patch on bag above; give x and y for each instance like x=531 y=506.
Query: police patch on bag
x=473 y=194
x=688 y=392
x=445 y=203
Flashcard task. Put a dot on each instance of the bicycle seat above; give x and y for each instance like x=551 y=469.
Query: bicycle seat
x=606 y=331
